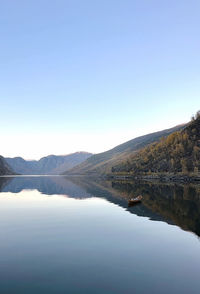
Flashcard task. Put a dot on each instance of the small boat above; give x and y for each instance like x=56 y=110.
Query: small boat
x=136 y=200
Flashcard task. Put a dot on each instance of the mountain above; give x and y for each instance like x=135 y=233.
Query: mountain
x=102 y=163
x=177 y=153
x=22 y=166
x=5 y=169
x=52 y=164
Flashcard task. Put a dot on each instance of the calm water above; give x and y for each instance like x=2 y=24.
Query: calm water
x=60 y=235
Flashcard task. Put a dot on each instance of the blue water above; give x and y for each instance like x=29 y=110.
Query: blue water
x=57 y=236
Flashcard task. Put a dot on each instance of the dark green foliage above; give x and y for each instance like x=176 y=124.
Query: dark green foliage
x=179 y=152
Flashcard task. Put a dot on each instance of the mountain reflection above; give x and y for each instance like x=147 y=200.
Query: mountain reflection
x=176 y=204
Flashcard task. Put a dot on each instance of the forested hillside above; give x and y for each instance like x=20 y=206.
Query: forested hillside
x=178 y=153
x=102 y=163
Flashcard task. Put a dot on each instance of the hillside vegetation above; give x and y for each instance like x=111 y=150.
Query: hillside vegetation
x=102 y=163
x=177 y=153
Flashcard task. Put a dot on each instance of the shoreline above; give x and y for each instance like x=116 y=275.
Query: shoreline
x=162 y=178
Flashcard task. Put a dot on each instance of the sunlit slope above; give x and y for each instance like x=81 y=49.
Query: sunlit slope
x=102 y=163
x=177 y=153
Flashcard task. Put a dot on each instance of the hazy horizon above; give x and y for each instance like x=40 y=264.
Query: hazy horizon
x=76 y=151
x=90 y=75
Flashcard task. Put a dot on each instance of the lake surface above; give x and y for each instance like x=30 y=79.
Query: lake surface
x=74 y=235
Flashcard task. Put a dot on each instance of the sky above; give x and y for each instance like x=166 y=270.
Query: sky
x=89 y=75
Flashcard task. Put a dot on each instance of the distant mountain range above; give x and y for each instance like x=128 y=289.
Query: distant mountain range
x=50 y=165
x=102 y=163
x=174 y=150
x=5 y=169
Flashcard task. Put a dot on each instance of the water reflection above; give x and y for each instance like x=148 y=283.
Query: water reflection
x=179 y=204
x=172 y=203
x=77 y=235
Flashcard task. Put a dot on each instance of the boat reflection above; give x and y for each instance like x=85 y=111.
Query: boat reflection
x=175 y=204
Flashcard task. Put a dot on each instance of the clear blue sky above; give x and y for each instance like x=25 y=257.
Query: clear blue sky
x=88 y=75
